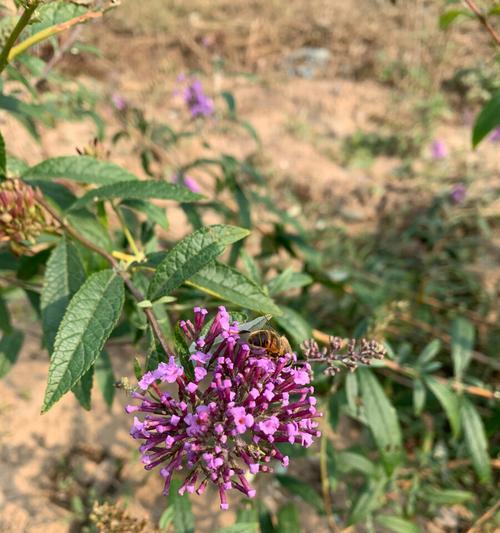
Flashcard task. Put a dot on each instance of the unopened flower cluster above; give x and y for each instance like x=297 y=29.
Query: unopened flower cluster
x=21 y=217
x=348 y=353
x=225 y=420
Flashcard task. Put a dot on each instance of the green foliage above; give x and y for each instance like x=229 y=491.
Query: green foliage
x=487 y=120
x=87 y=323
x=382 y=420
x=137 y=190
x=64 y=275
x=475 y=439
x=81 y=169
x=183 y=516
x=303 y=490
x=226 y=283
x=10 y=345
x=190 y=255
x=288 y=519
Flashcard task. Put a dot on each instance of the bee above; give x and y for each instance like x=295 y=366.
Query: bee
x=263 y=337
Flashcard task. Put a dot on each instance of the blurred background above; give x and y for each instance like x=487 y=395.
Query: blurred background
x=357 y=118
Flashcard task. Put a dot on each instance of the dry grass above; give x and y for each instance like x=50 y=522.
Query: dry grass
x=397 y=40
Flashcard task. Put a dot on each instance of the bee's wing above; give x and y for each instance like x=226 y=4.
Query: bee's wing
x=261 y=322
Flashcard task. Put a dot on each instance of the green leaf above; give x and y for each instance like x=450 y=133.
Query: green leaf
x=89 y=226
x=138 y=190
x=349 y=461
x=293 y=323
x=287 y=280
x=449 y=402
x=462 y=342
x=58 y=193
x=10 y=345
x=303 y=490
x=265 y=518
x=5 y=324
x=368 y=501
x=53 y=13
x=81 y=168
x=352 y=392
x=448 y=17
x=155 y=214
x=226 y=283
x=183 y=515
x=476 y=441
x=288 y=519
x=398 y=525
x=166 y=518
x=105 y=377
x=231 y=103
x=418 y=396
x=138 y=372
x=89 y=320
x=429 y=352
x=25 y=113
x=3 y=158
x=242 y=527
x=83 y=389
x=182 y=351
x=251 y=267
x=488 y=118
x=381 y=418
x=64 y=275
x=190 y=255
x=446 y=497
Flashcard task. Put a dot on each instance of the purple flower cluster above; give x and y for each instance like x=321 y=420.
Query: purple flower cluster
x=225 y=420
x=198 y=103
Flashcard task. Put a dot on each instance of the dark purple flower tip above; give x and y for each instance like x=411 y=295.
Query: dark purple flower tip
x=228 y=421
x=458 y=193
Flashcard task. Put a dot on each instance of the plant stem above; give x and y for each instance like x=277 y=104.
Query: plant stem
x=49 y=32
x=325 y=484
x=136 y=293
x=483 y=20
x=19 y=27
x=139 y=256
x=406 y=371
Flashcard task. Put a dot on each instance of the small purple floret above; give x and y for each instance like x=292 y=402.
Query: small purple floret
x=226 y=422
x=188 y=182
x=458 y=193
x=198 y=103
x=495 y=136
x=439 y=149
x=119 y=102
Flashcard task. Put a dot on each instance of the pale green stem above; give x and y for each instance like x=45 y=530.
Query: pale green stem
x=5 y=54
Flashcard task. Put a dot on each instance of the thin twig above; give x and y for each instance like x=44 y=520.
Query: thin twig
x=136 y=293
x=477 y=526
x=59 y=54
x=483 y=20
x=406 y=371
x=325 y=485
